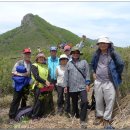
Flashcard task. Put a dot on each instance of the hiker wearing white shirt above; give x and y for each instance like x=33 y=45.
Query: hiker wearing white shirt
x=60 y=78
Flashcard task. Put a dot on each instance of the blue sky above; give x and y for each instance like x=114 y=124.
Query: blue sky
x=92 y=19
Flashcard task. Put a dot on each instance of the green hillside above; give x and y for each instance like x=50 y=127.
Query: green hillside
x=33 y=32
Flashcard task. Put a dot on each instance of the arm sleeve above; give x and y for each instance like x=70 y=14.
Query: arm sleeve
x=87 y=73
x=56 y=73
x=14 y=68
x=119 y=63
x=36 y=74
x=92 y=64
x=49 y=78
x=66 y=76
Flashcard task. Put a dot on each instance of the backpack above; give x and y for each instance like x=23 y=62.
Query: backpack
x=23 y=112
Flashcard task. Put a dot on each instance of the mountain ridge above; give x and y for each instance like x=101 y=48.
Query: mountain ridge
x=35 y=31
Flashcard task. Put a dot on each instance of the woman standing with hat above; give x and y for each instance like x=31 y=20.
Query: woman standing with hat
x=76 y=79
x=40 y=76
x=60 y=78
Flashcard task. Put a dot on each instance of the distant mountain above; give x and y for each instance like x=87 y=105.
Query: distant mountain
x=34 y=32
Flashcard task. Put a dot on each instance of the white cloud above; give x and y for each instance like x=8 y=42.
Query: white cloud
x=90 y=18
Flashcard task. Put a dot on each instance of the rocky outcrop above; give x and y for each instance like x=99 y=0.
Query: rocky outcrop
x=27 y=19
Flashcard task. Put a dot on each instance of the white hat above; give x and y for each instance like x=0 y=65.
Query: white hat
x=63 y=56
x=104 y=40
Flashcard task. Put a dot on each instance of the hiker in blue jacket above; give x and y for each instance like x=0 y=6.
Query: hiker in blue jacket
x=107 y=68
x=21 y=73
x=53 y=62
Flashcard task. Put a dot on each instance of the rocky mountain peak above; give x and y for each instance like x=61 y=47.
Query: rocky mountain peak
x=27 y=19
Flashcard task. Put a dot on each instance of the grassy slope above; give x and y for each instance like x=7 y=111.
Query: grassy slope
x=39 y=33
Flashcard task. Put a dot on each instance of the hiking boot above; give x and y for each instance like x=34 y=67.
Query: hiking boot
x=98 y=121
x=109 y=127
x=107 y=124
x=77 y=116
x=53 y=113
x=83 y=125
x=60 y=111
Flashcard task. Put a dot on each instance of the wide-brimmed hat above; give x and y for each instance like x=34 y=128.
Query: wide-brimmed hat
x=75 y=49
x=63 y=56
x=104 y=40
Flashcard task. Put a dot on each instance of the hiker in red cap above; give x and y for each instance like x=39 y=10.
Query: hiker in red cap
x=20 y=96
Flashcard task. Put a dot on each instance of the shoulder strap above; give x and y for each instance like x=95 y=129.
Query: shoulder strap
x=78 y=70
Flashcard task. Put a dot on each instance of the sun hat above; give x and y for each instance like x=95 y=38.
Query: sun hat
x=75 y=49
x=103 y=40
x=63 y=56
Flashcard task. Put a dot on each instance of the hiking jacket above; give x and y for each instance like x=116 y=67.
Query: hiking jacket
x=39 y=74
x=52 y=64
x=20 y=82
x=73 y=79
x=115 y=65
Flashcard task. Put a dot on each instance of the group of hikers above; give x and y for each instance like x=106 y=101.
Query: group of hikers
x=69 y=75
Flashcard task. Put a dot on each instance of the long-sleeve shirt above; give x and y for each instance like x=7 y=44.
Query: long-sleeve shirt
x=73 y=78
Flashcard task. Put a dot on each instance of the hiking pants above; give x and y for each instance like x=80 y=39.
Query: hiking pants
x=38 y=107
x=54 y=83
x=105 y=99
x=17 y=98
x=60 y=100
x=83 y=104
x=67 y=102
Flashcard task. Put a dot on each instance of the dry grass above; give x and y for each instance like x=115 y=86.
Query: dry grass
x=121 y=119
x=5 y=101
